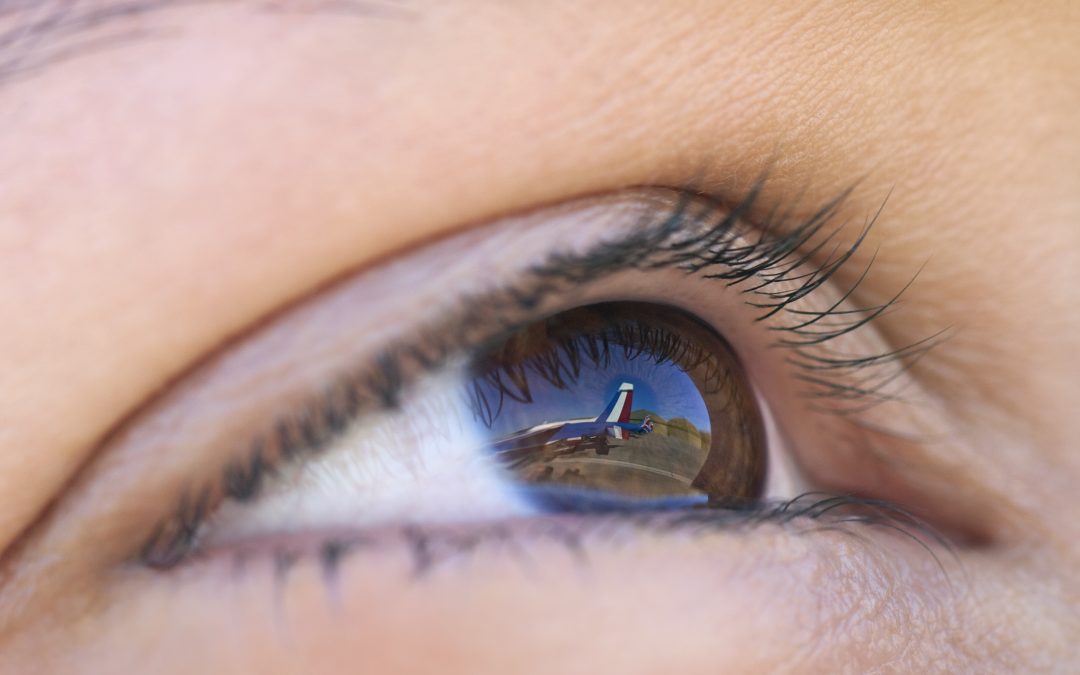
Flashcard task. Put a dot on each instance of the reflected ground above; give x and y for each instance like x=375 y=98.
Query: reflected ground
x=663 y=463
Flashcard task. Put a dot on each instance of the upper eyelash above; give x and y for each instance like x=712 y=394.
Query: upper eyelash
x=560 y=365
x=777 y=265
x=683 y=239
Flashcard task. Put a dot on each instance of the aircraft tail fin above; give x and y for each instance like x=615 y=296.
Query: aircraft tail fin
x=618 y=410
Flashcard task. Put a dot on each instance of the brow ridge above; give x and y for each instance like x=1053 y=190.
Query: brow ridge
x=37 y=34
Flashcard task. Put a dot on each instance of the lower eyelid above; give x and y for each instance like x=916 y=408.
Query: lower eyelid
x=771 y=573
x=426 y=549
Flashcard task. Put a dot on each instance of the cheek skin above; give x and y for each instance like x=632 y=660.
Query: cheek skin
x=627 y=602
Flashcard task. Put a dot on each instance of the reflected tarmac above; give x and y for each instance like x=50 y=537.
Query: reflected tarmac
x=663 y=463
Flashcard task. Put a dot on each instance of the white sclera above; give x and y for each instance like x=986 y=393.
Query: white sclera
x=424 y=462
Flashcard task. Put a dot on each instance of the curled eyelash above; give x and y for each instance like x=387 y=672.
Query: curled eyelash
x=698 y=236
x=772 y=272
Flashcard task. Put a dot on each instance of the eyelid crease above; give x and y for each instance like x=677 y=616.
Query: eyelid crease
x=697 y=235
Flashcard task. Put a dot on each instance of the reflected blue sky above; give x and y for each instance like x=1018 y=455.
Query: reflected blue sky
x=661 y=388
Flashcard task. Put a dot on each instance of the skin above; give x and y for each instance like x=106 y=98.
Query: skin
x=165 y=196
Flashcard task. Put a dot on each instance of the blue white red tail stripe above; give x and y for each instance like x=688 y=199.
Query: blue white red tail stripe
x=618 y=410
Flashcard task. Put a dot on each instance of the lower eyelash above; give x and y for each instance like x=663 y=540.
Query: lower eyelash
x=431 y=547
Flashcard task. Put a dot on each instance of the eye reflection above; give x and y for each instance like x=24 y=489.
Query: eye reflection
x=620 y=405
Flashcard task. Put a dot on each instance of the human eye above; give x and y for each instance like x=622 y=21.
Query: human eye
x=648 y=357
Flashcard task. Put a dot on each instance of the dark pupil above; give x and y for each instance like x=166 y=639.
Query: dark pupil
x=620 y=405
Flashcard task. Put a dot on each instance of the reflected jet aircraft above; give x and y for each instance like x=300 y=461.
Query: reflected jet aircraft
x=613 y=422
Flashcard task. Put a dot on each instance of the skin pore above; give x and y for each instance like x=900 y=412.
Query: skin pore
x=164 y=196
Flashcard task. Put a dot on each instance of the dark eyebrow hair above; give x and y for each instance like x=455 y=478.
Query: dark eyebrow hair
x=38 y=33
x=35 y=34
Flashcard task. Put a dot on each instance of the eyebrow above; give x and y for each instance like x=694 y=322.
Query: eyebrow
x=36 y=34
x=45 y=32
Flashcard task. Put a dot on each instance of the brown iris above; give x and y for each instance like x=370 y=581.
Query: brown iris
x=620 y=405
